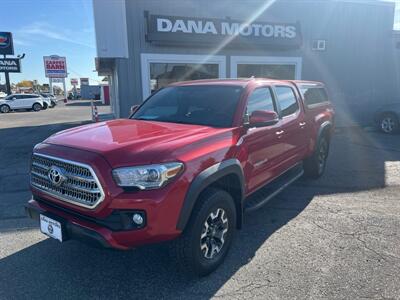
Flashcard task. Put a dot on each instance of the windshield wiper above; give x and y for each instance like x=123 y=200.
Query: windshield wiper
x=165 y=121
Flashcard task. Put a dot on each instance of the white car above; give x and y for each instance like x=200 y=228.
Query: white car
x=53 y=99
x=21 y=101
x=46 y=102
x=2 y=95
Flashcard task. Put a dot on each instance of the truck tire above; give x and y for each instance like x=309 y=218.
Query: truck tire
x=5 y=108
x=36 y=107
x=314 y=166
x=389 y=123
x=207 y=238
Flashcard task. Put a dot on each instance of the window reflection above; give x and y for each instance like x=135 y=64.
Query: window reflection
x=162 y=74
x=266 y=71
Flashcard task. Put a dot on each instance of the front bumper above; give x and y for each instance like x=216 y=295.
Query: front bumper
x=70 y=230
x=88 y=230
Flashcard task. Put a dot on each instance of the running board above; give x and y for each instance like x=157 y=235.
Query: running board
x=269 y=191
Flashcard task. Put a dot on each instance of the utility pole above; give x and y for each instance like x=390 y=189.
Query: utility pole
x=7 y=76
x=11 y=65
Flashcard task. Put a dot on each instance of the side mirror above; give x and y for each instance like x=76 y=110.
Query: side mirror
x=261 y=118
x=134 y=108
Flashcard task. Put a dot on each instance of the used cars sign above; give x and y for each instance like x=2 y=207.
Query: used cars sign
x=10 y=65
x=6 y=43
x=55 y=66
x=203 y=30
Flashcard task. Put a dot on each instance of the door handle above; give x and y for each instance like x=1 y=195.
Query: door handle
x=279 y=133
x=302 y=124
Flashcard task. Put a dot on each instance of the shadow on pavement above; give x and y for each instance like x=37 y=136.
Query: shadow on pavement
x=73 y=270
x=358 y=161
x=84 y=103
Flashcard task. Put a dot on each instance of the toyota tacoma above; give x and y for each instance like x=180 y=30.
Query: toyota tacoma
x=183 y=168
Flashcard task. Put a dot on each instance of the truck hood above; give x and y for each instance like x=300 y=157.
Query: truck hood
x=127 y=141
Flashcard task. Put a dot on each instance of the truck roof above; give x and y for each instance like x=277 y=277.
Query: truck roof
x=241 y=81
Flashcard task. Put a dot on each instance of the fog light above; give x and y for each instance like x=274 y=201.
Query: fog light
x=137 y=219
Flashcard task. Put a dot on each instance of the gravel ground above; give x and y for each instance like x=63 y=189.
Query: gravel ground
x=334 y=238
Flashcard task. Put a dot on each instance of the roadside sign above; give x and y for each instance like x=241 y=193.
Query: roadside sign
x=84 y=81
x=74 y=81
x=55 y=66
x=57 y=80
x=10 y=65
x=6 y=43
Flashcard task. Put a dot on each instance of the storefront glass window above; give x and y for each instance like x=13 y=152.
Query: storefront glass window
x=273 y=71
x=162 y=74
x=396 y=24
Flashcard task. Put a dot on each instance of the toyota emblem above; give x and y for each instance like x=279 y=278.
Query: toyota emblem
x=56 y=175
x=50 y=229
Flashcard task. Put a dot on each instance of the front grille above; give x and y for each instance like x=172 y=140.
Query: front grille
x=79 y=184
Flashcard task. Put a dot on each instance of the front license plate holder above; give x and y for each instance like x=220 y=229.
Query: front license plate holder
x=51 y=227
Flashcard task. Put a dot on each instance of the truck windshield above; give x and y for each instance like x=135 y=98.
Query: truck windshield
x=209 y=105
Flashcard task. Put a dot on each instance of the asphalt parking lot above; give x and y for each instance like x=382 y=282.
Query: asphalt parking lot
x=334 y=238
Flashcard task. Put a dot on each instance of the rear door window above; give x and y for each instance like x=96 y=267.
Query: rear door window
x=314 y=95
x=287 y=100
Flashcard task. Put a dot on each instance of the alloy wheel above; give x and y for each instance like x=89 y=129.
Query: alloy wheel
x=388 y=124
x=322 y=155
x=4 y=109
x=212 y=238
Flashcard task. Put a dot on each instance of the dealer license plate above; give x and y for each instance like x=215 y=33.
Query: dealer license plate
x=51 y=227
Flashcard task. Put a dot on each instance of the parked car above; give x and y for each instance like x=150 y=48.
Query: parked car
x=46 y=102
x=387 y=118
x=2 y=95
x=53 y=99
x=198 y=154
x=21 y=101
x=73 y=96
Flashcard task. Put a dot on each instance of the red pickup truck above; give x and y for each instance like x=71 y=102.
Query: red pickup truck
x=183 y=168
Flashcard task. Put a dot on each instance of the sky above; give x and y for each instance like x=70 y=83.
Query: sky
x=47 y=27
x=61 y=27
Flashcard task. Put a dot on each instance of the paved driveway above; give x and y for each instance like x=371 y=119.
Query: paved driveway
x=337 y=237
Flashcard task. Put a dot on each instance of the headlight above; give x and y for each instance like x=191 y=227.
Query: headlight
x=147 y=177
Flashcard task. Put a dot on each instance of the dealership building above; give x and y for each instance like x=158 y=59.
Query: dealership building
x=351 y=46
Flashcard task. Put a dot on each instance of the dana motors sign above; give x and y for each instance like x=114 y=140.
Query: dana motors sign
x=55 y=66
x=10 y=65
x=172 y=29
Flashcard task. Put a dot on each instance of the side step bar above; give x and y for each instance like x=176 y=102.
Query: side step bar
x=270 y=190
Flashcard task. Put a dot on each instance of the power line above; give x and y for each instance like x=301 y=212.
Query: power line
x=80 y=75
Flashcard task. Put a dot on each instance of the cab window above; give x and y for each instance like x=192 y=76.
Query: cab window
x=287 y=100
x=260 y=99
